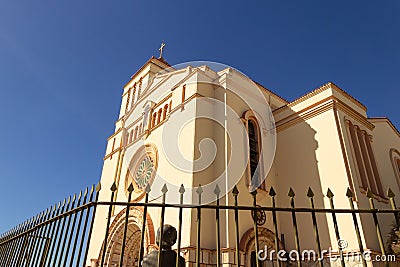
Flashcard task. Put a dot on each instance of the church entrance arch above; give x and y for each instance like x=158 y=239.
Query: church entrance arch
x=132 y=241
x=266 y=239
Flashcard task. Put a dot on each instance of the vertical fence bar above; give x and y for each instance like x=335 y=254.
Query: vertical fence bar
x=121 y=259
x=310 y=195
x=255 y=226
x=63 y=237
x=24 y=243
x=199 y=191
x=330 y=195
x=217 y=191
x=291 y=194
x=164 y=191
x=48 y=226
x=72 y=231
x=89 y=235
x=29 y=240
x=40 y=237
x=376 y=222
x=54 y=226
x=12 y=245
x=110 y=208
x=35 y=235
x=350 y=196
x=272 y=194
x=78 y=229
x=57 y=228
x=178 y=252
x=391 y=197
x=235 y=193
x=147 y=190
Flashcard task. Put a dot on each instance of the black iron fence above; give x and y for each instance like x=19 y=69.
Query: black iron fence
x=60 y=235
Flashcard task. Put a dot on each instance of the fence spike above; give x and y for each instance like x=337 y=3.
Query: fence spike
x=182 y=189
x=390 y=193
x=130 y=188
x=235 y=191
x=329 y=194
x=349 y=193
x=80 y=194
x=310 y=193
x=98 y=187
x=147 y=189
x=272 y=192
x=369 y=193
x=199 y=190
x=217 y=191
x=291 y=192
x=164 y=189
x=113 y=187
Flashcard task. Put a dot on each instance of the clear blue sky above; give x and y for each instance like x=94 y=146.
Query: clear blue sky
x=63 y=65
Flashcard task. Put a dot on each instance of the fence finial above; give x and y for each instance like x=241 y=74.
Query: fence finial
x=349 y=193
x=164 y=189
x=310 y=193
x=147 y=189
x=113 y=187
x=217 y=191
x=291 y=192
x=329 y=194
x=182 y=189
x=130 y=188
x=199 y=190
x=98 y=187
x=272 y=192
x=235 y=191
x=390 y=193
x=369 y=193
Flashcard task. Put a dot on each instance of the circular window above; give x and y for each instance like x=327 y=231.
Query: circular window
x=144 y=172
x=142 y=169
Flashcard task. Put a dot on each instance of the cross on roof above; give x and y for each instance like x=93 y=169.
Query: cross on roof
x=161 y=49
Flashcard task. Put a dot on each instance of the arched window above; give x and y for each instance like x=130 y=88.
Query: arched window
x=165 y=111
x=131 y=137
x=254 y=153
x=136 y=132
x=154 y=119
x=395 y=159
x=160 y=111
x=141 y=128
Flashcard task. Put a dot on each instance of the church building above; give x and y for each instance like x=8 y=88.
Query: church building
x=208 y=124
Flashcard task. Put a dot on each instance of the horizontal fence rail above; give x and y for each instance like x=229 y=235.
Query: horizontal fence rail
x=60 y=235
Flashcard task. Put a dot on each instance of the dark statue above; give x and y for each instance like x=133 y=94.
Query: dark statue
x=168 y=255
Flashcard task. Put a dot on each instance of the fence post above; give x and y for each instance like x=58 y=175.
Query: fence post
x=291 y=194
x=235 y=193
x=121 y=258
x=147 y=190
x=255 y=227
x=199 y=191
x=272 y=194
x=378 y=229
x=110 y=208
x=330 y=195
x=178 y=252
x=391 y=196
x=98 y=188
x=310 y=195
x=350 y=196
x=217 y=191
x=164 y=191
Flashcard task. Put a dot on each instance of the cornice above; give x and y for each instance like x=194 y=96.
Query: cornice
x=387 y=120
x=319 y=90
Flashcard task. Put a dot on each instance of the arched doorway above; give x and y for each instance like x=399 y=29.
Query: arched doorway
x=266 y=239
x=133 y=238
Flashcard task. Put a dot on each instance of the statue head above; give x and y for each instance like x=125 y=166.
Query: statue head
x=169 y=236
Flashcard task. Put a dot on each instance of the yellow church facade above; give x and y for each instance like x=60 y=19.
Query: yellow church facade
x=164 y=136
